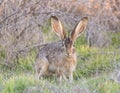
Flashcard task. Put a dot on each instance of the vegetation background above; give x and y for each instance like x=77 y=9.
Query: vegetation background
x=25 y=26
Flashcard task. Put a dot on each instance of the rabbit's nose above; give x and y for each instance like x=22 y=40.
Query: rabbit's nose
x=68 y=54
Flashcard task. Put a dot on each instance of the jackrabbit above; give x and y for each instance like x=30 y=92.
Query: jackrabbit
x=60 y=57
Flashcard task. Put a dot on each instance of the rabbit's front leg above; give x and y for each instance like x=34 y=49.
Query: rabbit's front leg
x=71 y=76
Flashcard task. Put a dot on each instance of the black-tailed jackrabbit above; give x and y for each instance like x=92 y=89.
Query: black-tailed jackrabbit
x=60 y=57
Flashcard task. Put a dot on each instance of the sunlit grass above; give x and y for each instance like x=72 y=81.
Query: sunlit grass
x=28 y=84
x=27 y=63
x=103 y=84
x=16 y=84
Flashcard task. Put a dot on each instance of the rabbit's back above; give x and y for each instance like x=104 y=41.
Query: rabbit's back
x=53 y=51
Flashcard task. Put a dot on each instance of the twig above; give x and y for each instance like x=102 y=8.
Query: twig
x=33 y=46
x=8 y=17
x=30 y=47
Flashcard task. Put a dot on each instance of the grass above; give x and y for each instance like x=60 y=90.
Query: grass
x=16 y=84
x=27 y=63
x=96 y=61
x=103 y=85
x=92 y=75
x=115 y=39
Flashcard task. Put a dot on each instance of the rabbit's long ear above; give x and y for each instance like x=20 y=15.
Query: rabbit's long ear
x=80 y=27
x=57 y=27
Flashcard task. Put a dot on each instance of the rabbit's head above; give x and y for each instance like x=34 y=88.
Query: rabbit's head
x=68 y=41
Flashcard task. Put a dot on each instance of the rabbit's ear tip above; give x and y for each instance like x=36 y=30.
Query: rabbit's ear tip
x=54 y=17
x=85 y=18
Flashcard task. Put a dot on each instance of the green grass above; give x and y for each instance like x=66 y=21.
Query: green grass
x=92 y=75
x=93 y=60
x=27 y=63
x=16 y=84
x=28 y=84
x=2 y=54
x=115 y=39
x=103 y=85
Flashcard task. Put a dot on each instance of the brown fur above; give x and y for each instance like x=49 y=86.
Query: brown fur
x=59 y=58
